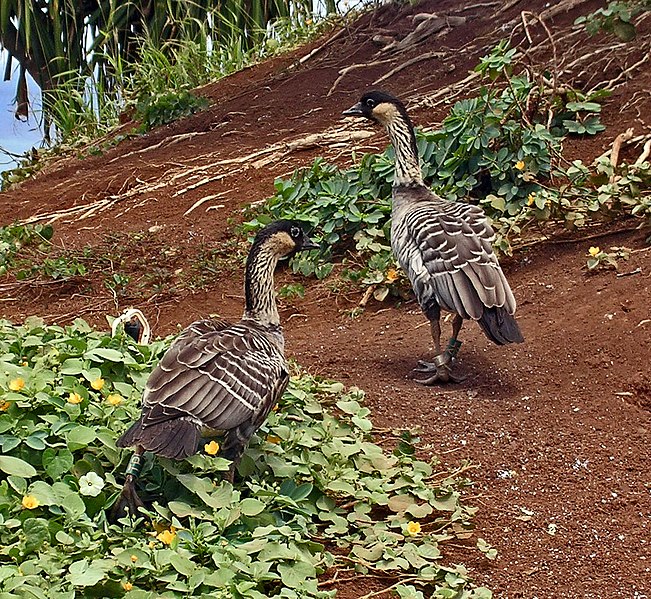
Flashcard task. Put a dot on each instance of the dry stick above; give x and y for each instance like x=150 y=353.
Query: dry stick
x=427 y=100
x=524 y=14
x=617 y=146
x=389 y=588
x=204 y=200
x=507 y=6
x=318 y=49
x=166 y=142
x=343 y=72
x=629 y=142
x=409 y=63
x=645 y=153
x=623 y=74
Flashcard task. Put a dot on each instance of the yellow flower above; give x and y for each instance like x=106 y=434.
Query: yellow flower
x=75 y=398
x=134 y=559
x=114 y=399
x=520 y=165
x=593 y=251
x=392 y=275
x=30 y=502
x=531 y=198
x=167 y=536
x=17 y=384
x=211 y=448
x=4 y=406
x=273 y=439
x=127 y=586
x=151 y=544
x=97 y=384
x=413 y=528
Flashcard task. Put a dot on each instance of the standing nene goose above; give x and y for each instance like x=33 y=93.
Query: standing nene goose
x=444 y=247
x=218 y=376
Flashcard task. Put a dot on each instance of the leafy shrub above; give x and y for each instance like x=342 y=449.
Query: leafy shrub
x=615 y=18
x=15 y=237
x=316 y=491
x=168 y=107
x=500 y=148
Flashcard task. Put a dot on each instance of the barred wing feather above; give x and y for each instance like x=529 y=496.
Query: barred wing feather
x=445 y=248
x=216 y=374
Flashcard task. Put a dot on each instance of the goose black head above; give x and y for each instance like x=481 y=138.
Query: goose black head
x=284 y=238
x=377 y=106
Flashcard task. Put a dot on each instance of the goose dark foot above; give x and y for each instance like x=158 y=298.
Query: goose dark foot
x=128 y=503
x=440 y=371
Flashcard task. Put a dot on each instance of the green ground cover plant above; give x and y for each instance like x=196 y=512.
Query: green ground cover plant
x=501 y=149
x=316 y=492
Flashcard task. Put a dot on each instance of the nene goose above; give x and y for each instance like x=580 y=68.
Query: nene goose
x=218 y=376
x=444 y=248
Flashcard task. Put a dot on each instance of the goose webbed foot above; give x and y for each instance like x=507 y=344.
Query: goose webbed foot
x=440 y=370
x=128 y=503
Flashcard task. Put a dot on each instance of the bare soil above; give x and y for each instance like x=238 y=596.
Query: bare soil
x=558 y=428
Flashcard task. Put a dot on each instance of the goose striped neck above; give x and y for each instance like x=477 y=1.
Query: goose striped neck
x=259 y=285
x=403 y=139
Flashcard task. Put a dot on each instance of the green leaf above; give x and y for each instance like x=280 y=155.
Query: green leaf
x=36 y=533
x=80 y=436
x=87 y=574
x=100 y=354
x=294 y=574
x=57 y=463
x=182 y=565
x=16 y=467
x=251 y=506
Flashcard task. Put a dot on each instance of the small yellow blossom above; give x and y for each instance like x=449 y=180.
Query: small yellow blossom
x=392 y=275
x=273 y=439
x=97 y=384
x=151 y=544
x=211 y=448
x=4 y=406
x=127 y=586
x=593 y=251
x=531 y=198
x=75 y=398
x=520 y=165
x=413 y=528
x=114 y=399
x=134 y=559
x=30 y=502
x=167 y=536
x=17 y=384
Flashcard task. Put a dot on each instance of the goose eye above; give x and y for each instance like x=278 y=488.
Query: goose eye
x=370 y=103
x=295 y=232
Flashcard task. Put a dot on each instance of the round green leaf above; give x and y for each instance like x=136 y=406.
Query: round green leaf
x=16 y=466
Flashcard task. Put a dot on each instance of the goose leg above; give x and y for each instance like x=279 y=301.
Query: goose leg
x=440 y=370
x=128 y=501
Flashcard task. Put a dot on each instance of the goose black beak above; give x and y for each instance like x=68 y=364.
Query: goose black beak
x=354 y=110
x=308 y=244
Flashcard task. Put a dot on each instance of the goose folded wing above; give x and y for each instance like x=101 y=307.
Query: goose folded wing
x=218 y=375
x=454 y=261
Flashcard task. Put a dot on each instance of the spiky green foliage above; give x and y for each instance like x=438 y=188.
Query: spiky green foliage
x=64 y=44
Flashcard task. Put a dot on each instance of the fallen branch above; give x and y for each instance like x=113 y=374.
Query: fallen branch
x=168 y=141
x=646 y=151
x=318 y=49
x=204 y=200
x=409 y=63
x=343 y=72
x=617 y=146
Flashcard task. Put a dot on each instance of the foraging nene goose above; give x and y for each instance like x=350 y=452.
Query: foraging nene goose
x=218 y=376
x=443 y=246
